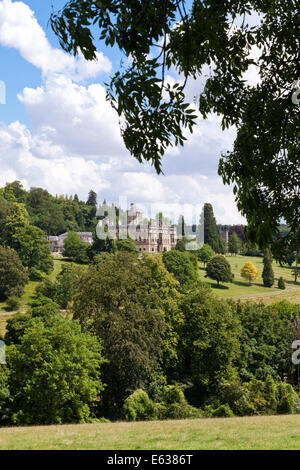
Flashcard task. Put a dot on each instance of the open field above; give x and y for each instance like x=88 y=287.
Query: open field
x=240 y=289
x=259 y=432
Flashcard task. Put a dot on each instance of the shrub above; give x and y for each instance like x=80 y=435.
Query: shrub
x=15 y=327
x=286 y=398
x=265 y=398
x=138 y=407
x=13 y=303
x=281 y=283
x=36 y=275
x=174 y=405
x=223 y=411
x=127 y=245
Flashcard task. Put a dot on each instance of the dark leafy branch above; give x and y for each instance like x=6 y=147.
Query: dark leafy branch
x=156 y=36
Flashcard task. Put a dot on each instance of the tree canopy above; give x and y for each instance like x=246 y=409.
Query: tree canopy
x=249 y=271
x=219 y=269
x=56 y=357
x=13 y=275
x=117 y=302
x=219 y=36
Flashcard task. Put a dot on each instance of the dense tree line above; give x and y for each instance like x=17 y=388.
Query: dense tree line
x=143 y=343
x=53 y=215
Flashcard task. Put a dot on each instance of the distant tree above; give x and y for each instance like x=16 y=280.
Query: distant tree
x=99 y=245
x=18 y=190
x=296 y=269
x=181 y=244
x=33 y=248
x=15 y=327
x=9 y=193
x=38 y=198
x=64 y=288
x=268 y=273
x=239 y=230
x=75 y=248
x=92 y=199
x=16 y=218
x=234 y=243
x=281 y=283
x=13 y=303
x=50 y=218
x=13 y=275
x=205 y=254
x=291 y=257
x=127 y=245
x=211 y=235
x=4 y=210
x=54 y=372
x=5 y=397
x=181 y=265
x=219 y=269
x=249 y=271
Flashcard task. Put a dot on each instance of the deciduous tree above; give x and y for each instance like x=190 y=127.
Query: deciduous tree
x=219 y=269
x=249 y=271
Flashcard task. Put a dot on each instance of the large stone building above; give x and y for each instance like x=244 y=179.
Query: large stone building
x=151 y=236
x=57 y=242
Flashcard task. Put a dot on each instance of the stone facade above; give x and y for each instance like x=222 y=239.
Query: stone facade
x=150 y=237
x=57 y=242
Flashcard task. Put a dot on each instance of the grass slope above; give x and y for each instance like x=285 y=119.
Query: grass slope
x=259 y=432
x=240 y=289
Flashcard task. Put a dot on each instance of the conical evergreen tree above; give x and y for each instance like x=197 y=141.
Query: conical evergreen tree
x=268 y=273
x=211 y=235
x=92 y=199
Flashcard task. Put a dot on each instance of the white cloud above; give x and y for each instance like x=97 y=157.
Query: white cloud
x=75 y=143
x=19 y=29
x=74 y=116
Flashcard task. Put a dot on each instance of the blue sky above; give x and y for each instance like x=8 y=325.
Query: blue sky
x=57 y=130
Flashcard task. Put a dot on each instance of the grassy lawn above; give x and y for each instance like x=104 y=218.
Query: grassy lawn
x=259 y=432
x=240 y=289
